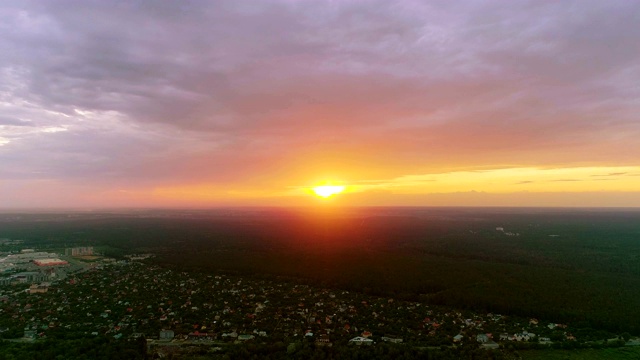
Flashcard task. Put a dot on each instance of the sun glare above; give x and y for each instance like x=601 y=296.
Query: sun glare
x=327 y=190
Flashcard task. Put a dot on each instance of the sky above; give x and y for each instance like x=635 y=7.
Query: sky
x=234 y=103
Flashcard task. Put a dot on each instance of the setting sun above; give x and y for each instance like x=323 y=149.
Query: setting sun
x=327 y=190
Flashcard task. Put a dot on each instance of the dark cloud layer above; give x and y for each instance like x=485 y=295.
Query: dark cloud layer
x=223 y=92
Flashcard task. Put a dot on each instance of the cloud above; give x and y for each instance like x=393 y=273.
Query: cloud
x=612 y=174
x=7 y=121
x=273 y=94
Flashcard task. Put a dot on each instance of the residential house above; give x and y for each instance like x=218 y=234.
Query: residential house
x=38 y=289
x=482 y=338
x=359 y=340
x=392 y=339
x=323 y=340
x=166 y=334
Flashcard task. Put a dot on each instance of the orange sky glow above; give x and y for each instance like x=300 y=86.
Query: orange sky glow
x=404 y=103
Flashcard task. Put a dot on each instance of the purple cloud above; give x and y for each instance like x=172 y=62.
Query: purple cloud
x=145 y=93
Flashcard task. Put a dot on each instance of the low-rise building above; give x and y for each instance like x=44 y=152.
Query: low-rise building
x=482 y=338
x=359 y=340
x=166 y=335
x=392 y=339
x=49 y=262
x=38 y=289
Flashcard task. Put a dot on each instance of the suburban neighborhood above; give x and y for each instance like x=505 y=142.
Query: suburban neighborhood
x=132 y=298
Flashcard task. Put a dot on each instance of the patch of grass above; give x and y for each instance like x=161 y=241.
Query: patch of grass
x=583 y=354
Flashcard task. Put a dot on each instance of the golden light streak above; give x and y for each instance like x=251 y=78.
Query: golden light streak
x=507 y=180
x=512 y=180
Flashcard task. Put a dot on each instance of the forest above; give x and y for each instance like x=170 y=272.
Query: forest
x=559 y=265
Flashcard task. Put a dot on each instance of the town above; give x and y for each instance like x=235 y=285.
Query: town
x=133 y=298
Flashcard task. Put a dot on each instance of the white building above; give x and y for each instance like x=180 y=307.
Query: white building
x=359 y=340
